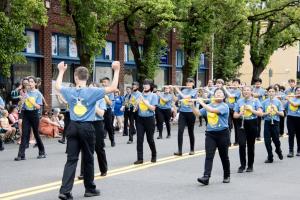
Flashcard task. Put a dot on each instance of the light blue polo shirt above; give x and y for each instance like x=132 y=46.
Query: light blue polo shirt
x=32 y=96
x=216 y=121
x=254 y=103
x=102 y=105
x=165 y=104
x=143 y=110
x=185 y=104
x=266 y=105
x=82 y=102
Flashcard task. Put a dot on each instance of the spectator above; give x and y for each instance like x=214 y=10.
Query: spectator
x=15 y=94
x=119 y=100
x=48 y=127
x=55 y=119
x=14 y=117
x=6 y=128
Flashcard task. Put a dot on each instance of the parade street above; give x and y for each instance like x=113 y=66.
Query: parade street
x=172 y=177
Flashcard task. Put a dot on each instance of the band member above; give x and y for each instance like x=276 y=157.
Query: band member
x=31 y=106
x=186 y=116
x=258 y=93
x=163 y=111
x=293 y=121
x=233 y=95
x=280 y=95
x=247 y=108
x=292 y=89
x=136 y=94
x=272 y=109
x=128 y=114
x=145 y=122
x=217 y=135
x=81 y=132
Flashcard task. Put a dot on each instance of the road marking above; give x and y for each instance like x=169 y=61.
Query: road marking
x=123 y=170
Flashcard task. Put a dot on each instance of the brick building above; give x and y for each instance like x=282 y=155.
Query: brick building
x=56 y=42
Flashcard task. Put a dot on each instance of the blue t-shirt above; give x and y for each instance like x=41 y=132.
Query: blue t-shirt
x=266 y=105
x=290 y=91
x=2 y=102
x=217 y=121
x=143 y=110
x=254 y=103
x=261 y=92
x=134 y=97
x=82 y=102
x=293 y=110
x=102 y=105
x=184 y=103
x=32 y=96
x=165 y=104
x=118 y=105
x=111 y=97
x=236 y=95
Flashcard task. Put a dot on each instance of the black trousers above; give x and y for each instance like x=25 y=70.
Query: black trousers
x=145 y=125
x=99 y=147
x=271 y=133
x=80 y=137
x=108 y=121
x=214 y=140
x=293 y=130
x=30 y=120
x=163 y=115
x=281 y=124
x=67 y=122
x=186 y=119
x=1 y=142
x=259 y=119
x=247 y=138
x=129 y=116
x=234 y=124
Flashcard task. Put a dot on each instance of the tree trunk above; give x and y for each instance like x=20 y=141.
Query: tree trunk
x=257 y=70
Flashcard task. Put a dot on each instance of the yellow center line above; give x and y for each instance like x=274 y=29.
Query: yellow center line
x=127 y=169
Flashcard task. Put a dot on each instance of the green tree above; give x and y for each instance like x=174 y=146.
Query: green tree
x=15 y=16
x=147 y=22
x=273 y=24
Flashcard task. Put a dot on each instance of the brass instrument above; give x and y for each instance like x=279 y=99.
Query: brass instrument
x=137 y=102
x=243 y=118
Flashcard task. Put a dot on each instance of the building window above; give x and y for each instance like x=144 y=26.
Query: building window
x=179 y=77
x=62 y=45
x=23 y=70
x=130 y=75
x=179 y=58
x=128 y=55
x=107 y=52
x=68 y=75
x=164 y=58
x=73 y=48
x=32 y=44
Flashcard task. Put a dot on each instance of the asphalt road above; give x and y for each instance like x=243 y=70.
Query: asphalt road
x=170 y=178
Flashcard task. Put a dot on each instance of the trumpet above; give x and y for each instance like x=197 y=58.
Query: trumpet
x=272 y=110
x=243 y=118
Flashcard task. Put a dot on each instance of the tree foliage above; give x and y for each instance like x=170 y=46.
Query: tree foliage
x=15 y=16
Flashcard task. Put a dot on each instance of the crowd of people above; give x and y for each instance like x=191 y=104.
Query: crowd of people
x=96 y=110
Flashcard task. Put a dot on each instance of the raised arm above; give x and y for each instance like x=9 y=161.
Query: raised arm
x=62 y=67
x=114 y=84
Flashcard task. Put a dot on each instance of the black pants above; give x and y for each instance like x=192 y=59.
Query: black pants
x=281 y=124
x=30 y=120
x=163 y=115
x=234 y=124
x=1 y=143
x=80 y=137
x=259 y=119
x=186 y=118
x=271 y=133
x=67 y=122
x=129 y=115
x=108 y=121
x=247 y=139
x=214 y=140
x=293 y=130
x=99 y=147
x=145 y=125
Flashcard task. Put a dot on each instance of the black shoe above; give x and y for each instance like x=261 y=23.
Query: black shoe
x=159 y=137
x=178 y=154
x=129 y=142
x=19 y=158
x=241 y=169
x=113 y=144
x=41 y=156
x=290 y=155
x=192 y=153
x=153 y=159
x=103 y=174
x=298 y=154
x=62 y=141
x=204 y=180
x=269 y=161
x=138 y=162
x=235 y=144
x=258 y=139
x=93 y=193
x=249 y=169
x=226 y=180
x=67 y=196
x=80 y=177
x=35 y=145
x=2 y=148
x=168 y=136
x=280 y=156
x=125 y=134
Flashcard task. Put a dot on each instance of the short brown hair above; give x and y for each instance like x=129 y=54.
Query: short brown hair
x=82 y=73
